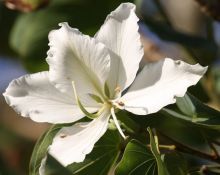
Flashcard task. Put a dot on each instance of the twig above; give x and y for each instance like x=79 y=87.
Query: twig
x=168 y=147
x=186 y=149
x=215 y=152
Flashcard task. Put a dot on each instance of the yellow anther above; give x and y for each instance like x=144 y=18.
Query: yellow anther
x=118 y=89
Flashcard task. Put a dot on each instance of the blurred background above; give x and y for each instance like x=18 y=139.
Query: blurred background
x=187 y=30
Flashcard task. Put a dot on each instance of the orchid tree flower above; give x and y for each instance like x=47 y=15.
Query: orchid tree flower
x=96 y=77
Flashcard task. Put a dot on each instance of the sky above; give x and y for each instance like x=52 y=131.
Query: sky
x=9 y=70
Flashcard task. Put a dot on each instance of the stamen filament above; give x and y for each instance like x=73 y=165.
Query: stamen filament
x=116 y=123
x=88 y=114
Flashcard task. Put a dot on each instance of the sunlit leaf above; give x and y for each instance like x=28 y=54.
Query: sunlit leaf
x=154 y=149
x=137 y=159
x=185 y=105
x=177 y=130
x=203 y=115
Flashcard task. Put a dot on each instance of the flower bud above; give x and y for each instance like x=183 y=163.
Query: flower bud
x=25 y=5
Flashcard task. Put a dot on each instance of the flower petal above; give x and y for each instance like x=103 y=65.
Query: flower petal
x=76 y=57
x=159 y=83
x=120 y=34
x=42 y=168
x=71 y=144
x=35 y=97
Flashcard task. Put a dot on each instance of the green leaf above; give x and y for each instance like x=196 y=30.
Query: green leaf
x=40 y=149
x=185 y=105
x=5 y=28
x=203 y=115
x=128 y=123
x=175 y=163
x=137 y=159
x=155 y=150
x=53 y=167
x=102 y=158
x=176 y=129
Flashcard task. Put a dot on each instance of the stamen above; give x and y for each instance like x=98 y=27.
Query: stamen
x=120 y=103
x=88 y=114
x=118 y=89
x=63 y=136
x=116 y=123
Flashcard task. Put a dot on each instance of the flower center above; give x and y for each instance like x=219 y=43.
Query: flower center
x=106 y=104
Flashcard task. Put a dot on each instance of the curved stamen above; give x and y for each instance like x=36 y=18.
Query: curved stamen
x=116 y=123
x=88 y=114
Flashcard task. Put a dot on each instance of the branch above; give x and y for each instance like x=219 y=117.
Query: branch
x=186 y=149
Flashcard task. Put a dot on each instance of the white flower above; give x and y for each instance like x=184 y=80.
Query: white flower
x=87 y=77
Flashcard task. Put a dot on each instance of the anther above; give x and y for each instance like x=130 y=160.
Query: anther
x=118 y=89
x=63 y=136
x=120 y=103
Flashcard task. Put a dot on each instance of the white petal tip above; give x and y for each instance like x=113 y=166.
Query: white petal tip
x=160 y=83
x=123 y=11
x=128 y=5
x=61 y=24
